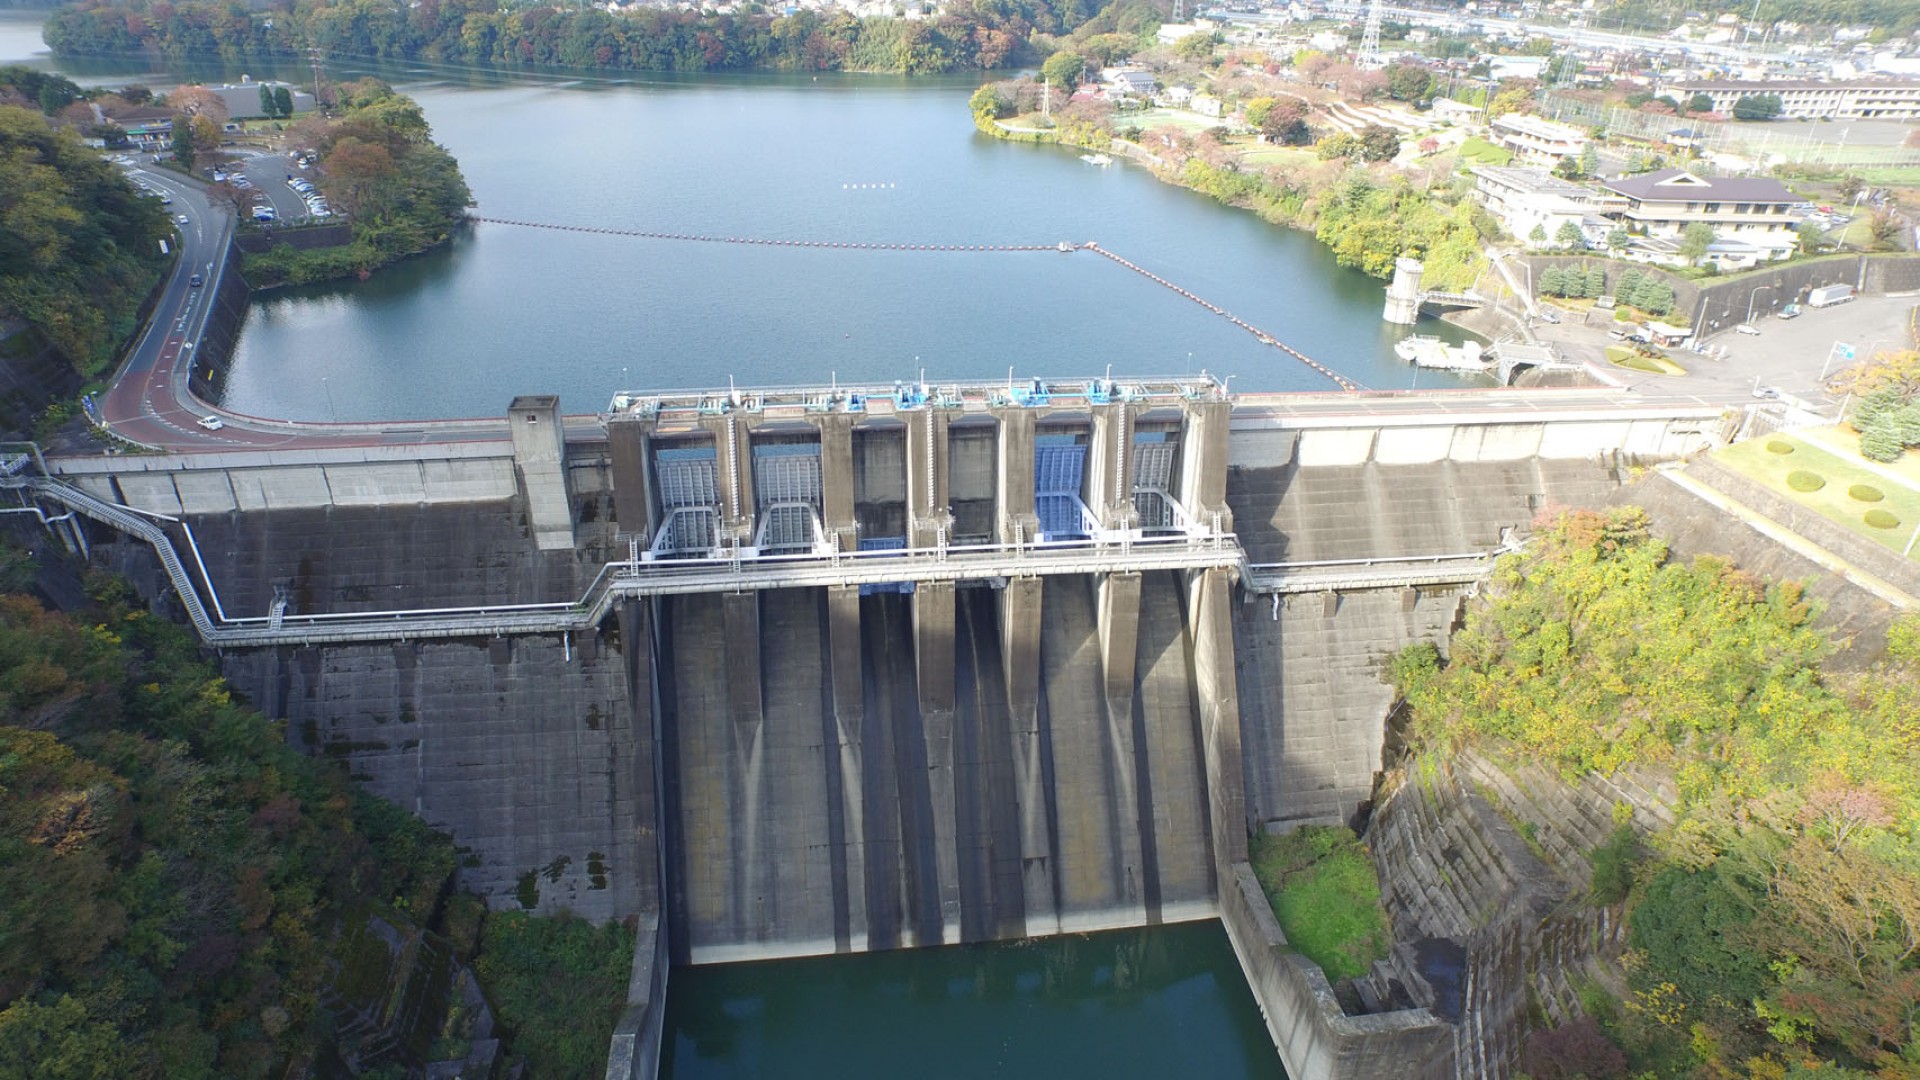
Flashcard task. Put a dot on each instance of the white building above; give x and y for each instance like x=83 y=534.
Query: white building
x=1536 y=141
x=1746 y=210
x=1534 y=205
x=1876 y=99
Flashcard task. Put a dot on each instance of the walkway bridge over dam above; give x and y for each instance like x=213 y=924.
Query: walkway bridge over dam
x=798 y=671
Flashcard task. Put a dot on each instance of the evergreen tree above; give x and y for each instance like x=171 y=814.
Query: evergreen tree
x=266 y=101
x=1570 y=236
x=283 y=102
x=1628 y=287
x=1538 y=235
x=1551 y=282
x=1596 y=284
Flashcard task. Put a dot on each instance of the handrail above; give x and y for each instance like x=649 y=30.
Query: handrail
x=621 y=579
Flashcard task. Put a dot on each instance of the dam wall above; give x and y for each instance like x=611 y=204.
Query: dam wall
x=813 y=766
x=873 y=809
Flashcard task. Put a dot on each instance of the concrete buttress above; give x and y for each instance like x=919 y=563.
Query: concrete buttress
x=540 y=459
x=933 y=635
x=1020 y=662
x=1017 y=520
x=929 y=512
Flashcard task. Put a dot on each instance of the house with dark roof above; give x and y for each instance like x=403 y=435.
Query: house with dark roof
x=1754 y=211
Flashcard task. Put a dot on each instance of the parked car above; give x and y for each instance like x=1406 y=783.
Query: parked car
x=180 y=218
x=1790 y=311
x=1747 y=328
x=212 y=423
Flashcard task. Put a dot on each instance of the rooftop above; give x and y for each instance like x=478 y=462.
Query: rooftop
x=1677 y=185
x=1534 y=181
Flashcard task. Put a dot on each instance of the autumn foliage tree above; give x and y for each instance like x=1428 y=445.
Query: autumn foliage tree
x=1779 y=920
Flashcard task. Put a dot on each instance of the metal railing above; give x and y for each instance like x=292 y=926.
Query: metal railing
x=634 y=577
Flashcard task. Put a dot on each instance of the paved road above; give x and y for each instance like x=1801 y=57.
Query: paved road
x=1789 y=354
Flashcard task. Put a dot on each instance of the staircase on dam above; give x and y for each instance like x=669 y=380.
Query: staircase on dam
x=841 y=669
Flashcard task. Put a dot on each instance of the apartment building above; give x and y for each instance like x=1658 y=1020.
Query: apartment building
x=1535 y=141
x=1867 y=99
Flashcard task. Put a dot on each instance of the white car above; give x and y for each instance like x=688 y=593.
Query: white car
x=181 y=218
x=212 y=423
x=1747 y=328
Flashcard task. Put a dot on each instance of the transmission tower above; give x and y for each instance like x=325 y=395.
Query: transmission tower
x=1369 y=58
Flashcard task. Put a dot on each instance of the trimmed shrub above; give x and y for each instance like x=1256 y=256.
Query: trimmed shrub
x=1775 y=446
x=1881 y=519
x=1804 y=481
x=1865 y=493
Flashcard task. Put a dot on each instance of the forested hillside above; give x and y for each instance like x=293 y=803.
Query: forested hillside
x=182 y=895
x=966 y=34
x=1774 y=929
x=79 y=245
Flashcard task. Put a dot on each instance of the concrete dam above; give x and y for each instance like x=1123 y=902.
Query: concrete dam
x=795 y=672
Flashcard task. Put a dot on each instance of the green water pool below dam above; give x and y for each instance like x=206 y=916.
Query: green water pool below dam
x=1153 y=1002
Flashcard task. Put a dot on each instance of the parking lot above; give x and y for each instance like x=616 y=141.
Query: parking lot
x=1790 y=354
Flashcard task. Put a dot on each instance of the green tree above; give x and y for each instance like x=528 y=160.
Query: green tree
x=1257 y=110
x=1063 y=69
x=1378 y=143
x=1699 y=103
x=1589 y=160
x=1695 y=239
x=988 y=103
x=283 y=102
x=1809 y=236
x=1409 y=82
x=183 y=150
x=1757 y=107
x=1196 y=47
x=59 y=1041
x=1569 y=236
x=1336 y=144
x=1619 y=239
x=1286 y=122
x=267 y=108
x=1595 y=285
x=1551 y=282
x=1538 y=235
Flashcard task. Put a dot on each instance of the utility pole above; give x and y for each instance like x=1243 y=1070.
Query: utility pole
x=319 y=75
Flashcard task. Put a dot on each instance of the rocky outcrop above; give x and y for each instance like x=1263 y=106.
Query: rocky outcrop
x=1483 y=871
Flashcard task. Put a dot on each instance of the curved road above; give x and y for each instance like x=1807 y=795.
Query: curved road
x=150 y=403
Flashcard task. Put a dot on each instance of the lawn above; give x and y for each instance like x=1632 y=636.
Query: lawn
x=1481 y=152
x=1847 y=485
x=1321 y=884
x=1892 y=176
x=1269 y=154
x=1148 y=119
x=1621 y=356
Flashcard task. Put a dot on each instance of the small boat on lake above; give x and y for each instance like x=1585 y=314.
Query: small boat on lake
x=1096 y=159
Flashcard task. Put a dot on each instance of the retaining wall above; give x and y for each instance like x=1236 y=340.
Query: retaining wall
x=1721 y=302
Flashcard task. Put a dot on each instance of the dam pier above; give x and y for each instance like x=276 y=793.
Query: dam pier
x=804 y=671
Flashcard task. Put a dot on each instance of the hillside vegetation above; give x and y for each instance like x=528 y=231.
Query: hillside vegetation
x=175 y=880
x=966 y=34
x=1774 y=927
x=79 y=245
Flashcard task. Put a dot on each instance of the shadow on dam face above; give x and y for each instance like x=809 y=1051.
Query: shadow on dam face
x=812 y=809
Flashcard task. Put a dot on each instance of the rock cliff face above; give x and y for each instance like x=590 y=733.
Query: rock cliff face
x=1483 y=870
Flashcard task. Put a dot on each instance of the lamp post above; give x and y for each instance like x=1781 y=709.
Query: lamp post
x=331 y=411
x=1751 y=297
